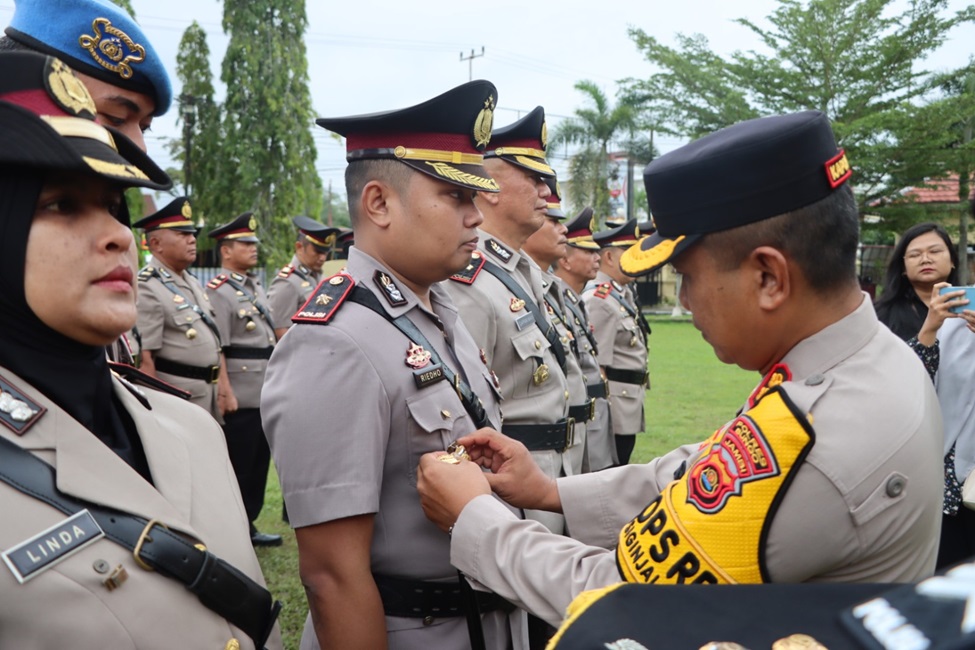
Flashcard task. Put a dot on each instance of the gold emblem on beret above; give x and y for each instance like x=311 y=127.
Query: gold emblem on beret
x=252 y=224
x=484 y=123
x=67 y=89
x=186 y=211
x=113 y=49
x=544 y=136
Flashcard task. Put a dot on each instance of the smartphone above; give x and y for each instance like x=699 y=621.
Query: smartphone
x=969 y=294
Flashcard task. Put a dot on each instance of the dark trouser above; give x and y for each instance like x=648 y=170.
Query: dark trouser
x=624 y=447
x=957 y=538
x=250 y=456
x=539 y=633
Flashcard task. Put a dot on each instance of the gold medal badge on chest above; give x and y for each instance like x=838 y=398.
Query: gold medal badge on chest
x=417 y=357
x=517 y=304
x=541 y=375
x=455 y=454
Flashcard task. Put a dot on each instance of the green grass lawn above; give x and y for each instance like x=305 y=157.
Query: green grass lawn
x=692 y=394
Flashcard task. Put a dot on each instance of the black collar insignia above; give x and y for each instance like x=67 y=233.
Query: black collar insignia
x=388 y=288
x=498 y=249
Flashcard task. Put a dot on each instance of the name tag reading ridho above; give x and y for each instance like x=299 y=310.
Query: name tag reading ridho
x=32 y=557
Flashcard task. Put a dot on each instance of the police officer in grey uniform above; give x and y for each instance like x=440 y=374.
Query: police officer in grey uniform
x=832 y=470
x=180 y=339
x=108 y=490
x=296 y=280
x=247 y=331
x=546 y=247
x=385 y=335
x=578 y=266
x=622 y=342
x=501 y=298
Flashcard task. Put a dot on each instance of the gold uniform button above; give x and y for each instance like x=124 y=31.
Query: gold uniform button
x=243 y=367
x=427 y=620
x=624 y=391
x=566 y=394
x=445 y=414
x=233 y=644
x=538 y=345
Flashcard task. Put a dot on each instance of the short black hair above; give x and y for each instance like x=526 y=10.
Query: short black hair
x=8 y=44
x=822 y=238
x=361 y=172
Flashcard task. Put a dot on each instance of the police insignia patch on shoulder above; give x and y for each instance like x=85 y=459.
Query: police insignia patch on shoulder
x=603 y=290
x=217 y=281
x=146 y=273
x=389 y=290
x=498 y=249
x=286 y=271
x=17 y=411
x=469 y=274
x=325 y=300
x=779 y=374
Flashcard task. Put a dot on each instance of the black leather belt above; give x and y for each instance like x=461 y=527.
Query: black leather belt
x=542 y=437
x=418 y=599
x=206 y=373
x=240 y=352
x=637 y=377
x=583 y=412
x=597 y=390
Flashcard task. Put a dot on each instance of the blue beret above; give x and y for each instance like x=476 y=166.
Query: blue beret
x=97 y=38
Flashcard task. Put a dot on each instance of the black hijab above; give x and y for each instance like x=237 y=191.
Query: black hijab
x=73 y=375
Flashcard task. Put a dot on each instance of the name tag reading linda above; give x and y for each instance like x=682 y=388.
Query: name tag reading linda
x=32 y=557
x=428 y=376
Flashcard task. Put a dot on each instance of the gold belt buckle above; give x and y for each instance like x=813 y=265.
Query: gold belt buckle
x=569 y=431
x=592 y=409
x=214 y=374
x=143 y=537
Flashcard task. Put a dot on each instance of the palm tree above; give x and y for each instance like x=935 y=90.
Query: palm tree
x=593 y=129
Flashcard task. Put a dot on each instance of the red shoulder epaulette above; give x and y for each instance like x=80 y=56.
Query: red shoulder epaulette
x=604 y=290
x=217 y=281
x=325 y=300
x=133 y=377
x=468 y=275
x=286 y=271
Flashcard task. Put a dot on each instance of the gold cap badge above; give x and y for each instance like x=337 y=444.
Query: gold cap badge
x=68 y=90
x=113 y=49
x=484 y=123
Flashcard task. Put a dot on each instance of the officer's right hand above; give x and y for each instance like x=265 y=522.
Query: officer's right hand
x=514 y=476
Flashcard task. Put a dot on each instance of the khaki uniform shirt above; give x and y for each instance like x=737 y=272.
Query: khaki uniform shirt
x=289 y=290
x=574 y=455
x=173 y=330
x=864 y=506
x=347 y=424
x=515 y=348
x=622 y=346
x=194 y=491
x=242 y=325
x=600 y=445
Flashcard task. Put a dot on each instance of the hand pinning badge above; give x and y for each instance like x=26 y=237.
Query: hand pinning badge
x=455 y=454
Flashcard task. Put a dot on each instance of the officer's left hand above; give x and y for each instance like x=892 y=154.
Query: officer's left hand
x=445 y=489
x=227 y=402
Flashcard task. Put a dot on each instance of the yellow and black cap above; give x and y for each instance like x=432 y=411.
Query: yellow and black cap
x=47 y=121
x=523 y=143
x=580 y=229
x=624 y=235
x=443 y=137
x=176 y=215
x=751 y=171
x=320 y=236
x=242 y=228
x=554 y=201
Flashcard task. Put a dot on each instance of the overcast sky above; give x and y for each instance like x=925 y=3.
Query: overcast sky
x=366 y=55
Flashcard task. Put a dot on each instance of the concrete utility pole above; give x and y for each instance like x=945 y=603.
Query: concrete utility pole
x=470 y=59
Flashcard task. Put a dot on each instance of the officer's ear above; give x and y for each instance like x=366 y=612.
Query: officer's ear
x=770 y=275
x=375 y=203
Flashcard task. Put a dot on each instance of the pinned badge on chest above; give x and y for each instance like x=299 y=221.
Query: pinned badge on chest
x=417 y=357
x=633 y=341
x=250 y=326
x=191 y=333
x=517 y=304
x=541 y=375
x=179 y=300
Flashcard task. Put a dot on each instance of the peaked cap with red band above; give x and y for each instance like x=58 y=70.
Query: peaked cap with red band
x=317 y=234
x=624 y=235
x=242 y=228
x=579 y=233
x=176 y=215
x=443 y=137
x=554 y=201
x=747 y=172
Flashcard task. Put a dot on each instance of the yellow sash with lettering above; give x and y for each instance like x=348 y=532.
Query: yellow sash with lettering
x=711 y=524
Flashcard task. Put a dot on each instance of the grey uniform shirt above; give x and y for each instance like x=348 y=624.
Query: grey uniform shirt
x=347 y=424
x=237 y=302
x=865 y=505
x=194 y=491
x=289 y=290
x=515 y=347
x=621 y=346
x=600 y=445
x=173 y=330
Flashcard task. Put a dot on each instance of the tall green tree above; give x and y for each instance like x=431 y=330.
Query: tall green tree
x=127 y=5
x=596 y=128
x=268 y=151
x=859 y=61
x=198 y=150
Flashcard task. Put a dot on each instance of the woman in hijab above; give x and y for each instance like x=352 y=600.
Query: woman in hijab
x=127 y=533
